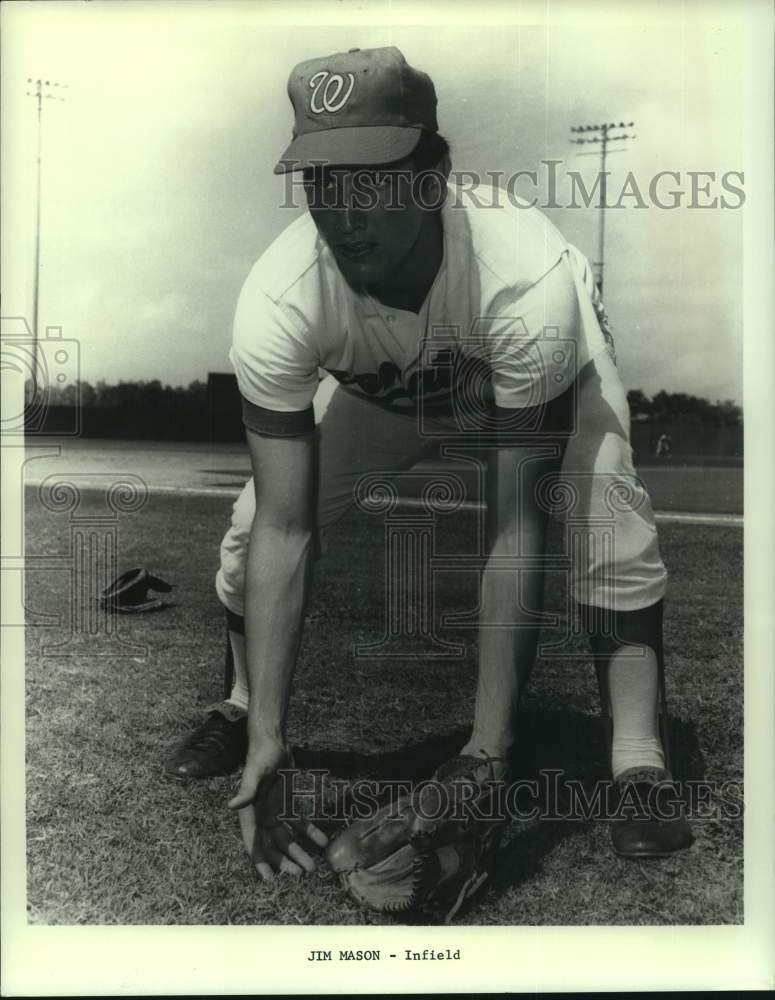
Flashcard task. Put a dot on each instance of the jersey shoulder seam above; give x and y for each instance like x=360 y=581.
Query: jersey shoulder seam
x=279 y=292
x=522 y=286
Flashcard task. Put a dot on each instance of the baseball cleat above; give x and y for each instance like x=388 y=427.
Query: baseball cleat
x=215 y=748
x=658 y=828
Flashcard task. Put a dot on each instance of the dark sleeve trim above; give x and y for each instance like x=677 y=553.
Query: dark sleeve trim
x=275 y=423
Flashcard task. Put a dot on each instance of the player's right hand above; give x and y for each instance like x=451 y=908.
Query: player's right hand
x=274 y=845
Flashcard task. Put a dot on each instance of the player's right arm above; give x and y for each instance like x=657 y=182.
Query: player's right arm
x=277 y=578
x=277 y=574
x=275 y=358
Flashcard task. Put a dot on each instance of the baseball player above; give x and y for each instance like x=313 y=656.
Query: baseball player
x=389 y=256
x=664 y=445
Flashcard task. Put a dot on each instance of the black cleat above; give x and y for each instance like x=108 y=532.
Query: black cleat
x=658 y=828
x=215 y=748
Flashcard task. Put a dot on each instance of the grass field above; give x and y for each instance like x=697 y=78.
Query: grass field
x=110 y=841
x=690 y=483
x=700 y=489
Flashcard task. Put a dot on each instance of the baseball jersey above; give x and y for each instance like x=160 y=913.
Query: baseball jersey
x=513 y=314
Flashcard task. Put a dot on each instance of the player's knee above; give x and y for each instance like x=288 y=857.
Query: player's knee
x=608 y=629
x=231 y=574
x=231 y=591
x=242 y=514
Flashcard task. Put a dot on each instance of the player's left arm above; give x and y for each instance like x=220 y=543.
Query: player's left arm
x=530 y=449
x=511 y=588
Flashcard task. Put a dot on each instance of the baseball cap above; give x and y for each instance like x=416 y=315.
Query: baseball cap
x=365 y=106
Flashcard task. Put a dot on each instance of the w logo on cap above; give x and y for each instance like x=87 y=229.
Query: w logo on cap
x=379 y=121
x=330 y=91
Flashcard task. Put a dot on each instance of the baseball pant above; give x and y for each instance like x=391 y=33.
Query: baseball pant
x=614 y=549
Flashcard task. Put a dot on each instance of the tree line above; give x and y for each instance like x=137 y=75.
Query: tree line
x=670 y=406
x=143 y=410
x=154 y=411
x=126 y=394
x=662 y=406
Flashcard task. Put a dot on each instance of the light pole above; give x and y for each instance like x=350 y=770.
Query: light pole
x=601 y=137
x=41 y=92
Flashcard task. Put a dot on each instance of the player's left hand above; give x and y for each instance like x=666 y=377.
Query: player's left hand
x=273 y=844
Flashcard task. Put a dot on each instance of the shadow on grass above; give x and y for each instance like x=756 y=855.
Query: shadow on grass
x=568 y=745
x=570 y=742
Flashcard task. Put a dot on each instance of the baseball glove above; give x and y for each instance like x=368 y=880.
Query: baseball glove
x=432 y=849
x=128 y=593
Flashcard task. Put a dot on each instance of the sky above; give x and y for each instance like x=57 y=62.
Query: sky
x=158 y=193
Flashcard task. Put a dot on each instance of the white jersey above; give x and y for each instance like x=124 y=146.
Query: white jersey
x=513 y=302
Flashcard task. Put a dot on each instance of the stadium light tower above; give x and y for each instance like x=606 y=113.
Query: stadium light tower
x=44 y=91
x=601 y=136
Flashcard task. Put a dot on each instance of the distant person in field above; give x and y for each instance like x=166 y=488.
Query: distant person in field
x=664 y=445
x=389 y=255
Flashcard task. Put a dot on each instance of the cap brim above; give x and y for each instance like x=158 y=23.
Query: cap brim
x=364 y=145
